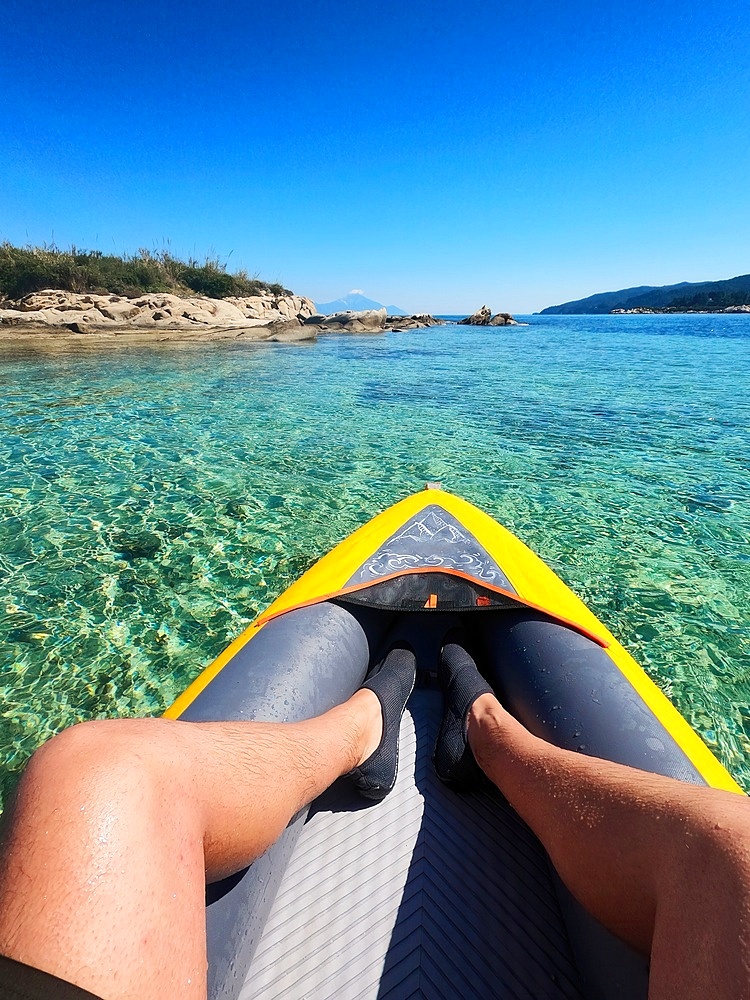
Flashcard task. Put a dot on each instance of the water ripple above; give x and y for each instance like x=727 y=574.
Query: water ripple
x=153 y=501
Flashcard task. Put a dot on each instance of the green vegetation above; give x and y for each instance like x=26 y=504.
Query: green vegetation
x=709 y=301
x=31 y=269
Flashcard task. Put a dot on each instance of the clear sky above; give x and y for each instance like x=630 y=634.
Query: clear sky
x=437 y=155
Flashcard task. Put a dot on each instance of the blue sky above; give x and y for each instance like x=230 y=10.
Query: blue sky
x=437 y=155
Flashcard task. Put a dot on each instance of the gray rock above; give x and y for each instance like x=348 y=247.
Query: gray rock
x=399 y=324
x=367 y=321
x=480 y=318
x=485 y=318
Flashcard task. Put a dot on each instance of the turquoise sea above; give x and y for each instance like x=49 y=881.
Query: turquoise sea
x=153 y=500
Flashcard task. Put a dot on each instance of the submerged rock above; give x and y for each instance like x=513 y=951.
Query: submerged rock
x=290 y=332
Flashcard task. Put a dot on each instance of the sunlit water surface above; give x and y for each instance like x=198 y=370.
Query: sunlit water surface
x=153 y=500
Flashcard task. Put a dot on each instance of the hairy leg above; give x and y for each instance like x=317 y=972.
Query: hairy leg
x=116 y=826
x=663 y=864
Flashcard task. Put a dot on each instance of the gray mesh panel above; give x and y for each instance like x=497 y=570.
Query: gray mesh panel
x=433 y=539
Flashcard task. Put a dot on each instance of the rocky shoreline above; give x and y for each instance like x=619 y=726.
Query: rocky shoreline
x=95 y=318
x=671 y=311
x=154 y=317
x=90 y=318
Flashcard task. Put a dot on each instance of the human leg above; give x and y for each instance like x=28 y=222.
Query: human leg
x=663 y=864
x=116 y=825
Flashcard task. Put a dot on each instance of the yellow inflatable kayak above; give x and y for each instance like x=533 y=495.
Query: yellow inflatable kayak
x=429 y=893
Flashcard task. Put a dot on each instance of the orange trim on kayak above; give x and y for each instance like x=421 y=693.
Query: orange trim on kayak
x=270 y=616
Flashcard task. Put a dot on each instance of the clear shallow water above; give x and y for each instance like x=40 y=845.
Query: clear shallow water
x=153 y=500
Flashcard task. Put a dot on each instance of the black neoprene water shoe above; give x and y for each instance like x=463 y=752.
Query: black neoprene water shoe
x=392 y=681
x=462 y=684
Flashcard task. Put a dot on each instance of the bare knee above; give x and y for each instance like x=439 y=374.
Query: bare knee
x=71 y=744
x=99 y=863
x=725 y=832
x=80 y=751
x=94 y=764
x=702 y=933
x=139 y=743
x=711 y=842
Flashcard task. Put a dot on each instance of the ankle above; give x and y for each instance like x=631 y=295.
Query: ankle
x=367 y=717
x=485 y=721
x=485 y=710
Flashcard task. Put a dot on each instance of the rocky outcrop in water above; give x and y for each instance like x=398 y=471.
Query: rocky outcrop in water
x=350 y=321
x=480 y=318
x=419 y=321
x=371 y=321
x=484 y=317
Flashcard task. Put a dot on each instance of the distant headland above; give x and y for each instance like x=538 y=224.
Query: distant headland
x=732 y=295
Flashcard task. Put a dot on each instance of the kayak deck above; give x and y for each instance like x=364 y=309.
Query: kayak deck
x=429 y=893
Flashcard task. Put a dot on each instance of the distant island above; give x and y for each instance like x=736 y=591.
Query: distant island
x=357 y=301
x=732 y=295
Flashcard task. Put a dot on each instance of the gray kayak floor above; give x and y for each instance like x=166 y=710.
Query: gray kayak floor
x=426 y=894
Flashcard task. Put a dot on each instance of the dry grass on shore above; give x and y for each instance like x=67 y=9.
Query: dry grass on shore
x=32 y=269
